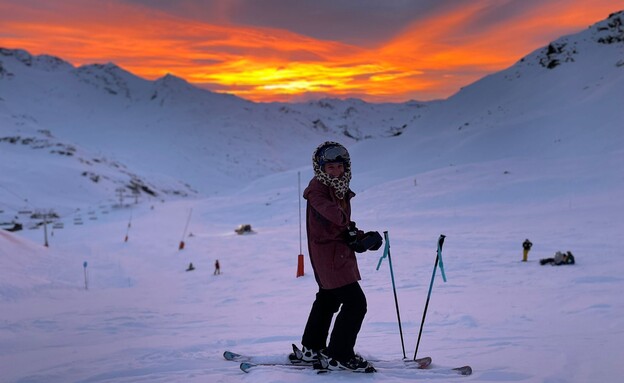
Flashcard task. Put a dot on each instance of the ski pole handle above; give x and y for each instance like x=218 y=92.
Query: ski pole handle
x=440 y=263
x=386 y=250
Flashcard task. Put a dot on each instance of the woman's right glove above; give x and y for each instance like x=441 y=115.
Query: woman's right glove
x=351 y=235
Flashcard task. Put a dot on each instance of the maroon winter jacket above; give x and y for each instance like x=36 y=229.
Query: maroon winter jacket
x=334 y=263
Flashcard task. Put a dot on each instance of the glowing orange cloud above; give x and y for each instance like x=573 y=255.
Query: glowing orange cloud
x=430 y=59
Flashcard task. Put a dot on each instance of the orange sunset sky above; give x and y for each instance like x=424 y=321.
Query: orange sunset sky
x=289 y=50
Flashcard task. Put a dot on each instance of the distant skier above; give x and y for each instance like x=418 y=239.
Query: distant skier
x=190 y=267
x=217 y=270
x=526 y=246
x=332 y=242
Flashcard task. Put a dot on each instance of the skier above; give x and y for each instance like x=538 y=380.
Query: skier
x=332 y=241
x=526 y=246
x=217 y=270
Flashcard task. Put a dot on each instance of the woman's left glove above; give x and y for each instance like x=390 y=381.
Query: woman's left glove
x=371 y=240
x=360 y=241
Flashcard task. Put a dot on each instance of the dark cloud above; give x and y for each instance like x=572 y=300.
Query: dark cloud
x=358 y=22
x=494 y=14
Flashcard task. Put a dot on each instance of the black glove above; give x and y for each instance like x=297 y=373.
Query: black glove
x=370 y=241
x=362 y=242
x=351 y=235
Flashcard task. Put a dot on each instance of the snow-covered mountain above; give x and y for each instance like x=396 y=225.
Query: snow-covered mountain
x=101 y=128
x=169 y=126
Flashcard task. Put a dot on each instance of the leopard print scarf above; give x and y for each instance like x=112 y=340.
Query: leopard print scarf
x=340 y=185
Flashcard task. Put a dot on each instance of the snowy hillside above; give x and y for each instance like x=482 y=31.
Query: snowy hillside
x=198 y=138
x=170 y=127
x=534 y=151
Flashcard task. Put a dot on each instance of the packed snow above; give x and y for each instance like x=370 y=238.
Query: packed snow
x=535 y=151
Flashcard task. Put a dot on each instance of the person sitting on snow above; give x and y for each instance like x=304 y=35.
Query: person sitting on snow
x=560 y=259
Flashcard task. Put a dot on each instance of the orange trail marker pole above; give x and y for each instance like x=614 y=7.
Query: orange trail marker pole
x=300 y=272
x=128 y=228
x=185 y=229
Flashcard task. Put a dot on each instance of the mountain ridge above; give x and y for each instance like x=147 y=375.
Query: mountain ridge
x=189 y=141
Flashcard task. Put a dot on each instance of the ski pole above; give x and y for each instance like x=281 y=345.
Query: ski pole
x=185 y=229
x=396 y=300
x=435 y=266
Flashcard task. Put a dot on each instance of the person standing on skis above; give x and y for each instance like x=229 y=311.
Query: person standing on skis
x=333 y=240
x=526 y=247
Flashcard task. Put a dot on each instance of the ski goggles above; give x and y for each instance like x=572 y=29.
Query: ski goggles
x=334 y=154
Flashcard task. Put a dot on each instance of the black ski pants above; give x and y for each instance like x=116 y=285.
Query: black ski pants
x=347 y=324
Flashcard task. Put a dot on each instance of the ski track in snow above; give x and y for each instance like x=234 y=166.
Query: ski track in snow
x=495 y=313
